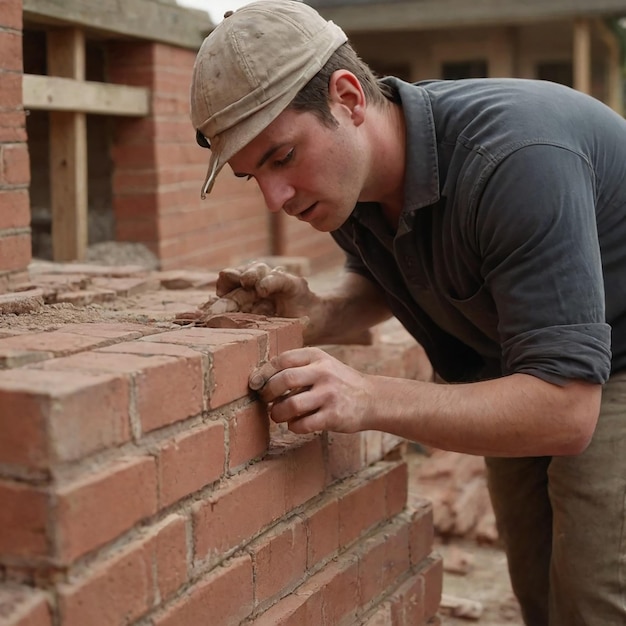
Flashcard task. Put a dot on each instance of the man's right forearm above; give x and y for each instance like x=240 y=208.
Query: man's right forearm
x=349 y=309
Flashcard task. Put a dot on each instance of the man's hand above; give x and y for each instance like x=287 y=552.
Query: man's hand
x=289 y=294
x=311 y=391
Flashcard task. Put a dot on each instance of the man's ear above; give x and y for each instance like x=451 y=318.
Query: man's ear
x=344 y=89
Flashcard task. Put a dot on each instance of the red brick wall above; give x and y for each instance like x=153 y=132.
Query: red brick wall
x=14 y=170
x=142 y=484
x=160 y=170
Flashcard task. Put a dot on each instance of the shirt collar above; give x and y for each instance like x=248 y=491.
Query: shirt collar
x=421 y=173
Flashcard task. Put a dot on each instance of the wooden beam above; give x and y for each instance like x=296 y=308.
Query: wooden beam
x=143 y=19
x=68 y=152
x=582 y=55
x=614 y=70
x=52 y=93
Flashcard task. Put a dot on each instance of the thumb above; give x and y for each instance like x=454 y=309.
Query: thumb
x=259 y=377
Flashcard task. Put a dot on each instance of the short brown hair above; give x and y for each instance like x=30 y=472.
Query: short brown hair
x=313 y=97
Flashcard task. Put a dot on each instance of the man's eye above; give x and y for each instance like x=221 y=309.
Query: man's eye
x=286 y=160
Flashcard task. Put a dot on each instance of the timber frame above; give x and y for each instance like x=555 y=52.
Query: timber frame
x=68 y=97
x=375 y=23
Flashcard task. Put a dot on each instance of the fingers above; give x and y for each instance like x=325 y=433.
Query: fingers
x=247 y=277
x=227 y=280
x=284 y=373
x=253 y=274
x=261 y=375
x=279 y=282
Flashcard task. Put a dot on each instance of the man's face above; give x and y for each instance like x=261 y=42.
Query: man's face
x=309 y=170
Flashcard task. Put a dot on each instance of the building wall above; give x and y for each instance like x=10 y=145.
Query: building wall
x=515 y=51
x=14 y=163
x=144 y=174
x=141 y=483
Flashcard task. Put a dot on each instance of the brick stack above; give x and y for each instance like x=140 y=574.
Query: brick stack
x=141 y=483
x=14 y=168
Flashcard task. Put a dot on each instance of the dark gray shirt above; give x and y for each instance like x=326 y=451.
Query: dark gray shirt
x=510 y=255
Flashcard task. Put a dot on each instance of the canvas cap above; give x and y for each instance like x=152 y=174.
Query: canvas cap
x=250 y=68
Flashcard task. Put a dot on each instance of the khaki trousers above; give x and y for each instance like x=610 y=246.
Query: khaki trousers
x=563 y=524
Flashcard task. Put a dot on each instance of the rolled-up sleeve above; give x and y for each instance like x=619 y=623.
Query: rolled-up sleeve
x=535 y=233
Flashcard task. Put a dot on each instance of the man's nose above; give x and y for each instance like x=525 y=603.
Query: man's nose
x=277 y=193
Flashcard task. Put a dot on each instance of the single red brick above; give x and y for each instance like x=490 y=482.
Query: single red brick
x=16 y=162
x=11 y=50
x=361 y=508
x=118 y=331
x=279 y=558
x=306 y=474
x=249 y=434
x=345 y=454
x=190 y=461
x=407 y=602
x=15 y=204
x=59 y=342
x=10 y=94
x=235 y=513
x=12 y=130
x=338 y=584
x=47 y=416
x=23 y=606
x=136 y=230
x=117 y=591
x=383 y=559
x=153 y=348
x=233 y=353
x=322 y=523
x=296 y=609
x=122 y=588
x=432 y=574
x=232 y=365
x=396 y=488
x=171 y=555
x=24 y=515
x=103 y=505
x=383 y=617
x=224 y=597
x=422 y=531
x=23 y=426
x=141 y=181
x=15 y=251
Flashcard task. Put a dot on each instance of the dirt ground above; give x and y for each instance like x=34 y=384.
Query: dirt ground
x=474 y=571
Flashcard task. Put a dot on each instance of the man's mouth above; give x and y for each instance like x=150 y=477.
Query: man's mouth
x=304 y=215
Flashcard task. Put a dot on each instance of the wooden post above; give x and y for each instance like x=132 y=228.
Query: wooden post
x=582 y=55
x=613 y=66
x=68 y=151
